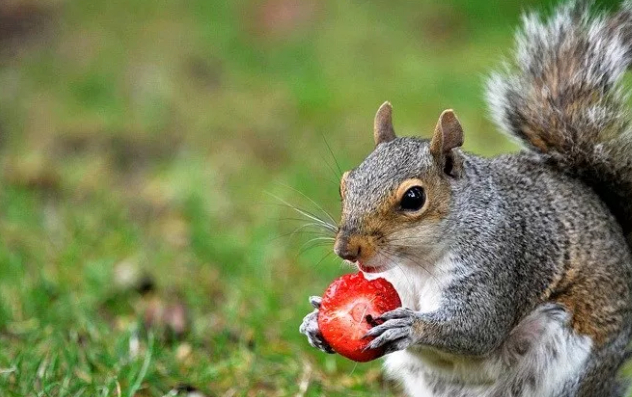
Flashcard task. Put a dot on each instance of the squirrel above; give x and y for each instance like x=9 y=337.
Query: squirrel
x=515 y=272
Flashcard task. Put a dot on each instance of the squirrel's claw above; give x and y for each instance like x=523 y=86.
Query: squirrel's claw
x=309 y=328
x=380 y=329
x=401 y=336
x=397 y=333
x=315 y=301
x=400 y=312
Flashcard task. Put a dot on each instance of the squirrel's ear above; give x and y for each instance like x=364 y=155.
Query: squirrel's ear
x=383 y=125
x=448 y=134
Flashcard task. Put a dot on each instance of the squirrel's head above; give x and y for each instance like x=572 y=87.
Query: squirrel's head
x=395 y=201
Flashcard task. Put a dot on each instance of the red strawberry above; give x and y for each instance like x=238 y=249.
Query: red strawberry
x=349 y=309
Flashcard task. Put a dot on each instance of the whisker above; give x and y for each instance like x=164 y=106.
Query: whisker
x=317 y=226
x=306 y=214
x=321 y=239
x=299 y=230
x=433 y=277
x=308 y=228
x=323 y=258
x=336 y=175
x=333 y=156
x=333 y=221
x=390 y=256
x=393 y=259
x=315 y=242
x=303 y=212
x=313 y=245
x=421 y=266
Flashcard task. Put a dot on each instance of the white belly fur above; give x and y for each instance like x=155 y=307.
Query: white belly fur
x=555 y=358
x=419 y=288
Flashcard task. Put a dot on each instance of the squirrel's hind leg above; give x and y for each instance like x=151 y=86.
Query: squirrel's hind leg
x=544 y=356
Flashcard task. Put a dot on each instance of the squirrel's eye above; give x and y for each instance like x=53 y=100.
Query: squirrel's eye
x=413 y=199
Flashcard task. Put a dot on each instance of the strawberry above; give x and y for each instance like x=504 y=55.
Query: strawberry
x=350 y=307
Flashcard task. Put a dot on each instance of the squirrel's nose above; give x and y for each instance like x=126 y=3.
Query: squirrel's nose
x=346 y=250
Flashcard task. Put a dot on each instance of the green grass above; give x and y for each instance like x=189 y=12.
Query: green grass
x=148 y=138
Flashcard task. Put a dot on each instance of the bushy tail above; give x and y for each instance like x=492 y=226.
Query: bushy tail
x=563 y=98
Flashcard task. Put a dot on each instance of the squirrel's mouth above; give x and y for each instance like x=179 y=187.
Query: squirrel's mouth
x=371 y=269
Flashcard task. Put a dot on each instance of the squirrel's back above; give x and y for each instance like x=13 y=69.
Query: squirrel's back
x=545 y=222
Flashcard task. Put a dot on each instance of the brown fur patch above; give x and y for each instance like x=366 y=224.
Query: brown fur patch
x=367 y=243
x=593 y=305
x=590 y=316
x=343 y=184
x=440 y=196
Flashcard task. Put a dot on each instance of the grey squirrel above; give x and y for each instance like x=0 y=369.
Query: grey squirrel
x=515 y=272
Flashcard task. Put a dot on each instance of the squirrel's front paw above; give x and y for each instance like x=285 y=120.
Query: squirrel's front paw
x=399 y=330
x=309 y=328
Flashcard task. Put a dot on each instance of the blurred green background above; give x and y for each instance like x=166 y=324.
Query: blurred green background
x=142 y=145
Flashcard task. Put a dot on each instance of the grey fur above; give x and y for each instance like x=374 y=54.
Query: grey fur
x=537 y=237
